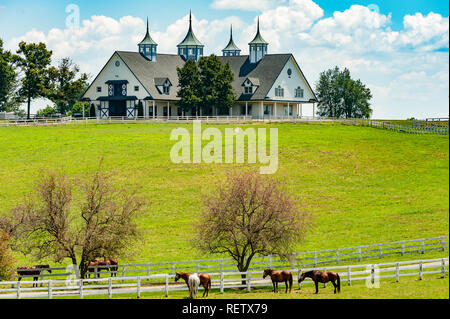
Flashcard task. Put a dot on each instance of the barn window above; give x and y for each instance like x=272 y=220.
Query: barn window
x=299 y=92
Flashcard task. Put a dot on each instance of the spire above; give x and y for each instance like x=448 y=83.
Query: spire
x=258 y=38
x=190 y=38
x=231 y=49
x=148 y=39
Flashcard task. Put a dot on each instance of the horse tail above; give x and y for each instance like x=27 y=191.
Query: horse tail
x=338 y=283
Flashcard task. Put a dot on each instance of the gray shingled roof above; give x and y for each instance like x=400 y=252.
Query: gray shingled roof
x=147 y=72
x=265 y=72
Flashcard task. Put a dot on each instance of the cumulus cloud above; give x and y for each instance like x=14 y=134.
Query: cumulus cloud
x=407 y=75
x=247 y=5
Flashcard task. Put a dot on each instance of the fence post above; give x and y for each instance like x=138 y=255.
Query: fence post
x=123 y=274
x=148 y=270
x=349 y=276
x=397 y=272
x=50 y=295
x=110 y=288
x=443 y=244
x=403 y=248
x=173 y=268
x=18 y=290
x=359 y=253
x=442 y=268
x=315 y=259
x=423 y=246
x=373 y=274
x=337 y=256
x=248 y=282
x=81 y=288
x=420 y=271
x=380 y=249
x=166 y=287
x=95 y=272
x=221 y=265
x=198 y=268
x=221 y=282
x=270 y=261
x=139 y=287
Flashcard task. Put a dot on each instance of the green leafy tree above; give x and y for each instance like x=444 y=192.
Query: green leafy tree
x=215 y=85
x=77 y=109
x=64 y=86
x=32 y=61
x=342 y=97
x=189 y=82
x=48 y=111
x=9 y=101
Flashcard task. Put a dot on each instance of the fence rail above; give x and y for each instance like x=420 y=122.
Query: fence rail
x=163 y=283
x=429 y=126
x=298 y=260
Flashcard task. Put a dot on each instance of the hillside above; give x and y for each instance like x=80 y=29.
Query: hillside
x=362 y=185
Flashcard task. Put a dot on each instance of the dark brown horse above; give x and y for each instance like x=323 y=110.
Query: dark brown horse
x=205 y=281
x=279 y=276
x=114 y=266
x=33 y=271
x=322 y=277
x=103 y=264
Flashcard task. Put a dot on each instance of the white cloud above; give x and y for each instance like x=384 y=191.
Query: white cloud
x=247 y=5
x=405 y=73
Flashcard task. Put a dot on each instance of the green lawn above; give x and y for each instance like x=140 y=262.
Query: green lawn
x=362 y=185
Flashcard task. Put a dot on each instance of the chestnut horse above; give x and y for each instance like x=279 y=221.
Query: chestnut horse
x=279 y=276
x=33 y=271
x=102 y=263
x=205 y=281
x=322 y=277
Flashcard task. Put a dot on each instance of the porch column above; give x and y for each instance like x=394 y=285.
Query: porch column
x=231 y=111
x=314 y=110
x=168 y=110
x=262 y=109
x=275 y=111
x=246 y=108
x=289 y=110
x=153 y=109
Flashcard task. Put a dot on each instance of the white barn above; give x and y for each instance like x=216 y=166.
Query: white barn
x=265 y=84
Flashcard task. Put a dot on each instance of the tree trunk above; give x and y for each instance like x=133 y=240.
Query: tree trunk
x=28 y=108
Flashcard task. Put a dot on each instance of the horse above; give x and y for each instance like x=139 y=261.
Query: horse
x=279 y=276
x=33 y=271
x=322 y=277
x=205 y=281
x=114 y=266
x=95 y=263
x=194 y=283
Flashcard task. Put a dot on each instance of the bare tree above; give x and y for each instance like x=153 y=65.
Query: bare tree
x=250 y=214
x=6 y=258
x=53 y=224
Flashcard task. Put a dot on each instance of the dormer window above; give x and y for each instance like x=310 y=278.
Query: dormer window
x=250 y=85
x=166 y=89
x=163 y=85
x=279 y=91
x=299 y=92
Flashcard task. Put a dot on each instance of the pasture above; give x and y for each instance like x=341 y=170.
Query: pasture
x=362 y=185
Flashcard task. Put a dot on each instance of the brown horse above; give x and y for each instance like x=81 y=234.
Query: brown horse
x=205 y=281
x=33 y=271
x=322 y=277
x=114 y=266
x=279 y=276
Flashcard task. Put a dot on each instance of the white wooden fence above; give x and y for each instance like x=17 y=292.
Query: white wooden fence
x=298 y=260
x=417 y=127
x=163 y=283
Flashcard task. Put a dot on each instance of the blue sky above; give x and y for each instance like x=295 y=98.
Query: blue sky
x=398 y=48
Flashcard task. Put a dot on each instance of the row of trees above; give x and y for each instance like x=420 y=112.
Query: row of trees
x=205 y=86
x=249 y=214
x=340 y=96
x=28 y=74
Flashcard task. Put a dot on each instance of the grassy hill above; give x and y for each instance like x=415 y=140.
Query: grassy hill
x=362 y=185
